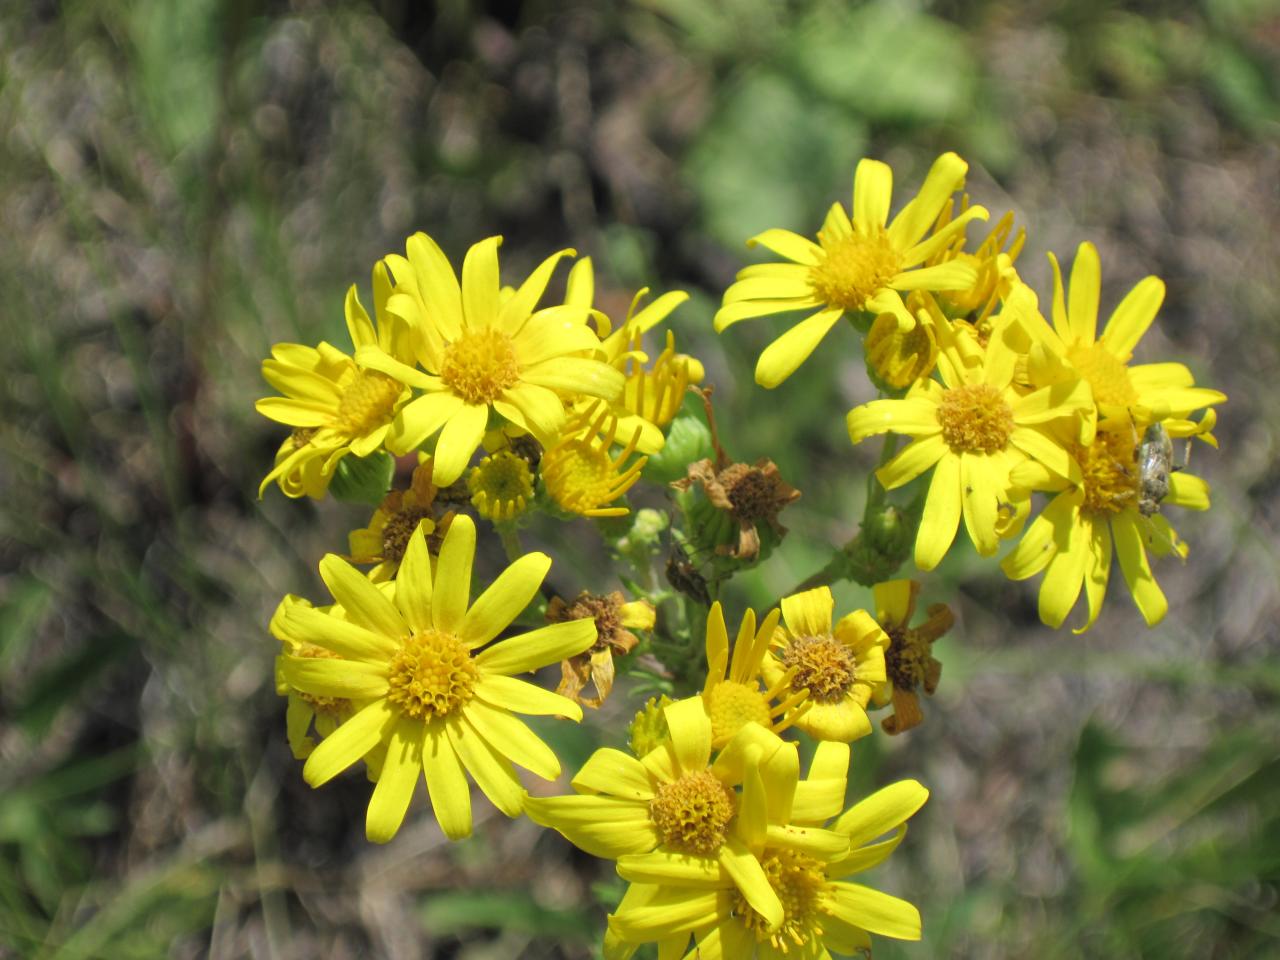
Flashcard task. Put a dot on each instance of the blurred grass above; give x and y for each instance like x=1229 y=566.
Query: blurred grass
x=181 y=188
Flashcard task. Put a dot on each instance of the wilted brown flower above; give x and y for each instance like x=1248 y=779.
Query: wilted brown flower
x=749 y=494
x=909 y=661
x=613 y=615
x=383 y=541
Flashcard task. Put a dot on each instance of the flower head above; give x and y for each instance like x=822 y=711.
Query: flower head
x=334 y=406
x=909 y=659
x=579 y=471
x=805 y=864
x=840 y=665
x=615 y=617
x=860 y=264
x=1074 y=537
x=484 y=354
x=435 y=690
x=501 y=486
x=733 y=693
x=972 y=429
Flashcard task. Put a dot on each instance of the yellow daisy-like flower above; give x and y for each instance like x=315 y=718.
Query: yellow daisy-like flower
x=972 y=430
x=304 y=710
x=1124 y=394
x=385 y=539
x=909 y=661
x=858 y=265
x=440 y=707
x=899 y=357
x=501 y=486
x=483 y=353
x=822 y=910
x=993 y=263
x=579 y=472
x=1072 y=539
x=334 y=406
x=675 y=813
x=733 y=693
x=651 y=398
x=840 y=665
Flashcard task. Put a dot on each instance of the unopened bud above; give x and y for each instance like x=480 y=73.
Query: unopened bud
x=688 y=440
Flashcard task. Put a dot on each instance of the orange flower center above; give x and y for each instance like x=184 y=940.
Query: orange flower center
x=975 y=419
x=479 y=365
x=854 y=269
x=693 y=813
x=823 y=665
x=432 y=675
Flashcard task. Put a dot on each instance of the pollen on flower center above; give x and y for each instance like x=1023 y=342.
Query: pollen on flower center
x=479 y=365
x=693 y=813
x=432 y=675
x=975 y=419
x=1110 y=475
x=732 y=706
x=368 y=400
x=823 y=664
x=854 y=268
x=801 y=884
x=1107 y=376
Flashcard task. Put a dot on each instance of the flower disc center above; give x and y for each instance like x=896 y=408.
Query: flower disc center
x=480 y=365
x=368 y=401
x=800 y=883
x=1110 y=475
x=432 y=675
x=823 y=664
x=732 y=706
x=975 y=419
x=854 y=268
x=693 y=813
x=1108 y=377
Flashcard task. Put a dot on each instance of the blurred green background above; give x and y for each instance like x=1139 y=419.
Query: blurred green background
x=183 y=184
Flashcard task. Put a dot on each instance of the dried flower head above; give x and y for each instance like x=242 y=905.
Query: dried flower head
x=613 y=616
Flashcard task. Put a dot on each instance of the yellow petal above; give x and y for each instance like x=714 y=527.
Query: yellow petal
x=752 y=882
x=519 y=696
x=396 y=781
x=790 y=245
x=1137 y=569
x=913 y=416
x=945 y=177
x=913 y=460
x=419 y=419
x=615 y=773
x=1097 y=571
x=341 y=636
x=1082 y=295
x=872 y=194
x=503 y=601
x=1188 y=491
x=881 y=812
x=1132 y=317
x=413 y=583
x=982 y=490
x=941 y=517
x=781 y=358
x=874 y=911
x=510 y=737
x=345 y=679
x=458 y=441
x=513 y=314
x=437 y=283
x=844 y=721
x=364 y=603
x=537 y=648
x=690 y=730
x=491 y=771
x=1064 y=577
x=446 y=782
x=680 y=869
x=349 y=743
x=452 y=587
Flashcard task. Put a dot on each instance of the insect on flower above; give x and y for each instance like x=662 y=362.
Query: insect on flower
x=1154 y=459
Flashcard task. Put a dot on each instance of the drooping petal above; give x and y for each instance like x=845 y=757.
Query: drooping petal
x=1136 y=568
x=1064 y=577
x=1096 y=572
x=458 y=441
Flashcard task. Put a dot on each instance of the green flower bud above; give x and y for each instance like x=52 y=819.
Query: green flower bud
x=688 y=440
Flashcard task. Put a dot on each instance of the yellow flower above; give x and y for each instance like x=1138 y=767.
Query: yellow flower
x=1124 y=394
x=909 y=660
x=675 y=813
x=972 y=429
x=615 y=617
x=651 y=398
x=334 y=406
x=579 y=472
x=841 y=665
x=901 y=357
x=501 y=486
x=733 y=693
x=994 y=266
x=484 y=354
x=1072 y=539
x=858 y=265
x=384 y=540
x=822 y=910
x=440 y=707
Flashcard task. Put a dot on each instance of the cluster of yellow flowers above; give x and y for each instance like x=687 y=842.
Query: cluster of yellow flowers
x=508 y=409
x=997 y=402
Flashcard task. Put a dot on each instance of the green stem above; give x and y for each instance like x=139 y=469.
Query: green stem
x=510 y=541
